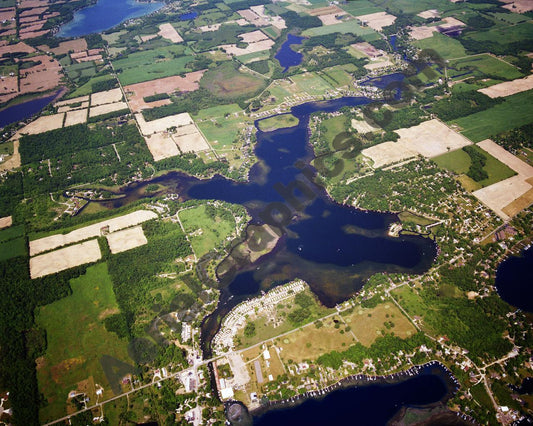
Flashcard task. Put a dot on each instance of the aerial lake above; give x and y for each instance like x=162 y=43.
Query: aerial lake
x=24 y=110
x=105 y=14
x=286 y=56
x=513 y=280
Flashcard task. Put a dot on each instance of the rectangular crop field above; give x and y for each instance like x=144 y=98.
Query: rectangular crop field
x=310 y=83
x=445 y=46
x=91 y=231
x=126 y=239
x=64 y=258
x=151 y=64
x=457 y=161
x=508 y=115
x=76 y=341
x=344 y=27
x=487 y=64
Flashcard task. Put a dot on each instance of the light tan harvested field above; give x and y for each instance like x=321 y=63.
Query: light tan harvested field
x=363 y=127
x=192 y=142
x=72 y=101
x=328 y=10
x=210 y=28
x=35 y=26
x=107 y=108
x=259 y=46
x=126 y=239
x=25 y=4
x=137 y=92
x=518 y=6
x=420 y=33
x=67 y=108
x=253 y=37
x=162 y=124
x=508 y=88
x=169 y=32
x=16 y=48
x=431 y=13
x=253 y=18
x=331 y=19
x=91 y=231
x=76 y=117
x=185 y=130
x=377 y=20
x=44 y=124
x=107 y=97
x=429 y=139
x=519 y=204
x=378 y=65
x=14 y=161
x=502 y=194
x=161 y=146
x=519 y=166
x=45 y=76
x=5 y=222
x=65 y=258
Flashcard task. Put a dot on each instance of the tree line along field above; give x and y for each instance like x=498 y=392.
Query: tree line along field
x=459 y=162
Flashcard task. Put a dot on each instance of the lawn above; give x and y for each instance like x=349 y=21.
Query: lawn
x=502 y=117
x=151 y=64
x=278 y=122
x=368 y=34
x=368 y=324
x=205 y=233
x=486 y=64
x=445 y=46
x=13 y=248
x=459 y=162
x=76 y=341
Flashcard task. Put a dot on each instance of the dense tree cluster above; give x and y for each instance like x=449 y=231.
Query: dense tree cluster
x=478 y=160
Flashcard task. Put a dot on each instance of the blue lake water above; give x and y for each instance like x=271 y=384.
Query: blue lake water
x=288 y=57
x=513 y=280
x=105 y=15
x=188 y=16
x=366 y=405
x=24 y=110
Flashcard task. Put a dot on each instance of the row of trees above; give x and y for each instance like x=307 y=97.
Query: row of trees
x=478 y=160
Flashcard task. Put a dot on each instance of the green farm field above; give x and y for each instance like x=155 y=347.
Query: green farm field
x=86 y=89
x=220 y=125
x=445 y=46
x=414 y=6
x=459 y=162
x=310 y=83
x=360 y=7
x=77 y=339
x=500 y=118
x=151 y=64
x=344 y=27
x=486 y=64
x=13 y=248
x=204 y=232
x=504 y=34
